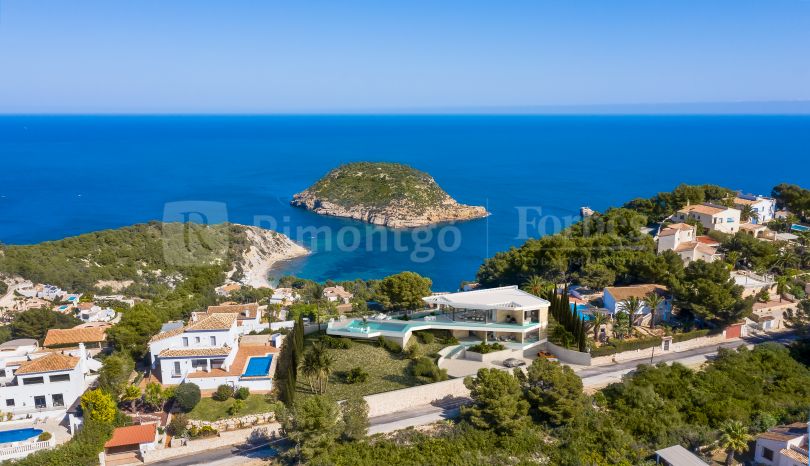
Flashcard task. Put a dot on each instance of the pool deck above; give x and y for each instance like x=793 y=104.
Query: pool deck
x=239 y=363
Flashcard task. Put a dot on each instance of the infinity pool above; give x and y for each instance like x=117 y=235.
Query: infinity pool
x=258 y=366
x=18 y=435
x=797 y=227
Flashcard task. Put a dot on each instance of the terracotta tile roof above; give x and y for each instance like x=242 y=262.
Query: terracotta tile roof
x=191 y=352
x=132 y=435
x=707 y=240
x=673 y=228
x=639 y=291
x=170 y=333
x=213 y=322
x=741 y=201
x=752 y=227
x=49 y=363
x=86 y=306
x=786 y=432
x=706 y=249
x=74 y=336
x=687 y=246
x=707 y=209
x=337 y=291
x=244 y=311
x=795 y=453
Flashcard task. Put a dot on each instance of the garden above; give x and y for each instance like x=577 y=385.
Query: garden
x=226 y=403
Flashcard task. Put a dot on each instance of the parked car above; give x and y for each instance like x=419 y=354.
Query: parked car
x=514 y=362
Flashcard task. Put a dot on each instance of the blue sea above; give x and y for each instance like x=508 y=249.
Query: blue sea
x=66 y=175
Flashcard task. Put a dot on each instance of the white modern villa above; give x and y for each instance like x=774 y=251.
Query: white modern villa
x=41 y=383
x=212 y=350
x=506 y=314
x=712 y=217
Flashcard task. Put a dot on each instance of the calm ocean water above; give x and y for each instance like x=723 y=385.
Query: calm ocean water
x=63 y=176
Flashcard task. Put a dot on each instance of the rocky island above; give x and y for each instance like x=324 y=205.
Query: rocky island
x=389 y=194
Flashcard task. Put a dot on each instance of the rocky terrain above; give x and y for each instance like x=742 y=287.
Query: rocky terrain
x=264 y=249
x=386 y=194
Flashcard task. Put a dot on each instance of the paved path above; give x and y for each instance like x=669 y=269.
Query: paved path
x=221 y=457
x=417 y=416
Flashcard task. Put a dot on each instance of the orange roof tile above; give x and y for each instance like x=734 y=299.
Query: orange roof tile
x=170 y=333
x=245 y=311
x=639 y=291
x=74 y=336
x=132 y=435
x=222 y=321
x=707 y=209
x=51 y=362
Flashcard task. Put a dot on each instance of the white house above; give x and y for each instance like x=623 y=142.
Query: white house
x=208 y=353
x=682 y=238
x=782 y=446
x=91 y=312
x=507 y=314
x=614 y=295
x=34 y=382
x=284 y=296
x=248 y=316
x=764 y=207
x=713 y=217
x=337 y=294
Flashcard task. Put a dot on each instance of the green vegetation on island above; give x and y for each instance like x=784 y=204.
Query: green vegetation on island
x=382 y=193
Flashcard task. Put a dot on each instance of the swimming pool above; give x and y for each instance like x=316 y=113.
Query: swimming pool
x=581 y=308
x=258 y=366
x=797 y=227
x=18 y=435
x=357 y=326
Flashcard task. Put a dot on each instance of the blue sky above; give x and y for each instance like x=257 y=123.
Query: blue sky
x=370 y=55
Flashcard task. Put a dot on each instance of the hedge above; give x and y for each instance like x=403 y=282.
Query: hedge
x=678 y=337
x=618 y=346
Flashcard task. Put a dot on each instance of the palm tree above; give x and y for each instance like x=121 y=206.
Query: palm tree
x=317 y=365
x=597 y=322
x=747 y=212
x=620 y=325
x=733 y=438
x=653 y=301
x=781 y=286
x=631 y=306
x=132 y=393
x=535 y=285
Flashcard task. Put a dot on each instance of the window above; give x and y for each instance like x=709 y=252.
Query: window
x=199 y=363
x=39 y=402
x=33 y=380
x=2 y=372
x=213 y=341
x=10 y=402
x=176 y=369
x=197 y=340
x=730 y=220
x=60 y=378
x=185 y=341
x=58 y=400
x=767 y=453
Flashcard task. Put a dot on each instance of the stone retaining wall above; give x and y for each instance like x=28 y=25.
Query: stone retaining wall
x=401 y=400
x=646 y=353
x=235 y=423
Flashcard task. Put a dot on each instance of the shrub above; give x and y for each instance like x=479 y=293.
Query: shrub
x=356 y=375
x=177 y=426
x=237 y=406
x=425 y=367
x=223 y=392
x=242 y=393
x=426 y=337
x=200 y=432
x=187 y=395
x=689 y=335
x=336 y=343
x=618 y=346
x=44 y=437
x=484 y=348
x=415 y=350
x=389 y=345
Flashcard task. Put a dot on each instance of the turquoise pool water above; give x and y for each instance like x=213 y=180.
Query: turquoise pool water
x=581 y=311
x=357 y=326
x=18 y=435
x=258 y=366
x=797 y=227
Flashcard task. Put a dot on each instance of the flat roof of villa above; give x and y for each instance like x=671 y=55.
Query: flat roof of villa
x=505 y=297
x=680 y=456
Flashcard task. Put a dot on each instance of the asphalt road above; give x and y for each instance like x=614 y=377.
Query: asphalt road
x=220 y=456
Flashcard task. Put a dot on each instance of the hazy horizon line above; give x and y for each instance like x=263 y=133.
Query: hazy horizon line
x=776 y=108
